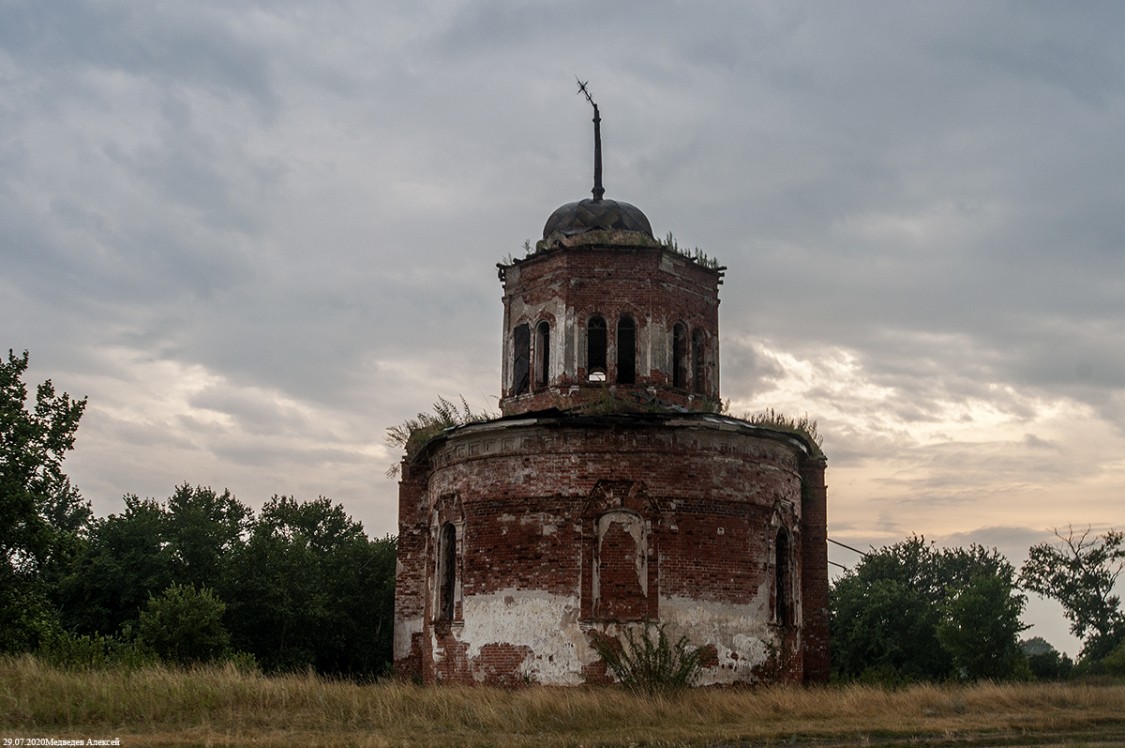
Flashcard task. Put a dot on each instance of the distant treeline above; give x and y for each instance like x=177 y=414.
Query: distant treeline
x=913 y=612
x=199 y=577
x=196 y=577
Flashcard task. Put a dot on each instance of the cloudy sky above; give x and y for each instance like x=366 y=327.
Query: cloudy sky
x=257 y=234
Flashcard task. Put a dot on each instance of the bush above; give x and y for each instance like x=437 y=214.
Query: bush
x=648 y=666
x=84 y=652
x=1114 y=662
x=184 y=626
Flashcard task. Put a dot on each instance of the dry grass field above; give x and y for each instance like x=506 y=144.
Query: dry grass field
x=225 y=707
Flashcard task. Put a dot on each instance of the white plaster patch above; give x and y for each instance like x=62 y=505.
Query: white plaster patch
x=741 y=634
x=544 y=623
x=405 y=628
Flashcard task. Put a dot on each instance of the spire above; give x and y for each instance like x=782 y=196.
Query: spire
x=598 y=190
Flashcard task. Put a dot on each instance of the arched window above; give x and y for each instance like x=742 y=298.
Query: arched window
x=626 y=351
x=698 y=366
x=521 y=343
x=543 y=354
x=679 y=355
x=783 y=581
x=621 y=567
x=595 y=349
x=447 y=572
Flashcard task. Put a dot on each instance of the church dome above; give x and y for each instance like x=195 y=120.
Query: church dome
x=594 y=215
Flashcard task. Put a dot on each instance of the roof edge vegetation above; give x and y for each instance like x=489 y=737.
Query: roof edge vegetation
x=415 y=434
x=614 y=238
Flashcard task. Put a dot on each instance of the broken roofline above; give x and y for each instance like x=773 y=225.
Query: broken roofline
x=565 y=419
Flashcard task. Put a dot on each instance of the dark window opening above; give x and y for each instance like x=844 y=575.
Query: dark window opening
x=626 y=351
x=698 y=371
x=447 y=571
x=595 y=349
x=543 y=348
x=783 y=594
x=679 y=355
x=521 y=341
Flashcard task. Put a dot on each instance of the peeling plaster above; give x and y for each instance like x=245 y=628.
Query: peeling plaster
x=405 y=629
x=546 y=624
x=741 y=634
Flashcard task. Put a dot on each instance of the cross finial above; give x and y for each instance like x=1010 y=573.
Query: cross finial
x=598 y=189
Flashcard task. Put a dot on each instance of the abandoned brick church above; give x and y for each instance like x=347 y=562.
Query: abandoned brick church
x=610 y=493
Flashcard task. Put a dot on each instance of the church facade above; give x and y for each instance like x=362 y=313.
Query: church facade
x=610 y=493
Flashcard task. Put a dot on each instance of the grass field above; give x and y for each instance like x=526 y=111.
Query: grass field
x=222 y=706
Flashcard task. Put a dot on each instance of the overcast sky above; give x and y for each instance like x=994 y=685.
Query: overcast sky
x=257 y=234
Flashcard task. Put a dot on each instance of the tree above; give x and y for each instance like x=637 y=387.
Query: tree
x=1080 y=572
x=190 y=539
x=912 y=612
x=1044 y=661
x=1114 y=662
x=310 y=589
x=301 y=585
x=125 y=562
x=184 y=626
x=202 y=530
x=980 y=627
x=40 y=511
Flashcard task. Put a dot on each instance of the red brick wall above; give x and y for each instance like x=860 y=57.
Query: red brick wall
x=655 y=287
x=706 y=492
x=814 y=583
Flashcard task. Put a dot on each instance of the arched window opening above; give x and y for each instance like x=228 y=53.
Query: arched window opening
x=626 y=351
x=698 y=368
x=543 y=354
x=679 y=355
x=447 y=572
x=595 y=349
x=783 y=592
x=521 y=342
x=621 y=567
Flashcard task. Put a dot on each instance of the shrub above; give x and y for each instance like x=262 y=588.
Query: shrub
x=1114 y=662
x=647 y=664
x=414 y=433
x=92 y=652
x=184 y=626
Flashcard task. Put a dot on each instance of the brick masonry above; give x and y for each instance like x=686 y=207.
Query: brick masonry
x=571 y=526
x=595 y=504
x=654 y=287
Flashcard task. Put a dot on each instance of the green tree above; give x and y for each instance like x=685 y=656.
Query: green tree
x=41 y=513
x=1044 y=661
x=310 y=589
x=1080 y=572
x=1114 y=662
x=912 y=612
x=125 y=562
x=980 y=627
x=184 y=626
x=189 y=539
x=884 y=616
x=202 y=530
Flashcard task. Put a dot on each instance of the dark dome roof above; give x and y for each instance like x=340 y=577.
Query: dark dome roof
x=591 y=215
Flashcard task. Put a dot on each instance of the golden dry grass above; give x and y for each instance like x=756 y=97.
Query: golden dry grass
x=222 y=706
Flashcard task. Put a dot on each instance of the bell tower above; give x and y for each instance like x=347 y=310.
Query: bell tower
x=603 y=310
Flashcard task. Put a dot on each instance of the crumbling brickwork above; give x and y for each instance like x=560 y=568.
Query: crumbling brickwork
x=575 y=525
x=610 y=494
x=625 y=279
